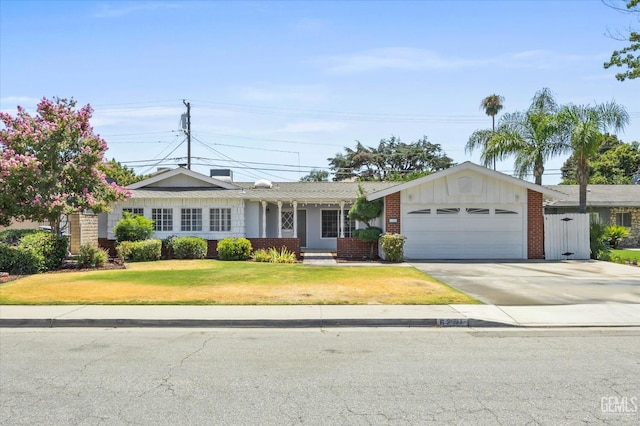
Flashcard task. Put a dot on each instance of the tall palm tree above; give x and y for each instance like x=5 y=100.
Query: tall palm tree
x=533 y=136
x=492 y=105
x=584 y=126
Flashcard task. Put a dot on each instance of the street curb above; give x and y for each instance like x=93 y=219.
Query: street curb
x=247 y=323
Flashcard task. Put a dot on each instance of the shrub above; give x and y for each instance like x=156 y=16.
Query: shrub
x=283 y=255
x=614 y=234
x=52 y=248
x=368 y=235
x=261 y=255
x=599 y=249
x=393 y=246
x=167 y=246
x=91 y=256
x=133 y=228
x=20 y=261
x=13 y=236
x=234 y=249
x=189 y=248
x=140 y=251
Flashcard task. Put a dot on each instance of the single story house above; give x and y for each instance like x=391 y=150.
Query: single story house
x=610 y=204
x=465 y=212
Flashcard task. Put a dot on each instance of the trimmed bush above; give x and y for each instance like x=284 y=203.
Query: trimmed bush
x=52 y=248
x=133 y=228
x=189 y=248
x=20 y=261
x=167 y=247
x=368 y=235
x=91 y=256
x=261 y=255
x=140 y=251
x=393 y=246
x=234 y=249
x=13 y=236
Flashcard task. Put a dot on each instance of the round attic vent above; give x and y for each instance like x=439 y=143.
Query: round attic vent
x=263 y=183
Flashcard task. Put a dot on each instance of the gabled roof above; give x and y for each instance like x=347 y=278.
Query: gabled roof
x=165 y=175
x=598 y=195
x=467 y=165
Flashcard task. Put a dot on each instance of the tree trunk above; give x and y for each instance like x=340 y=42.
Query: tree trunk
x=538 y=170
x=493 y=131
x=582 y=175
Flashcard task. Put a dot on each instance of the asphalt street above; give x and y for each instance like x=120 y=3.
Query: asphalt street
x=319 y=376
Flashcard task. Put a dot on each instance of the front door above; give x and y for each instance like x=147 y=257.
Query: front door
x=302 y=227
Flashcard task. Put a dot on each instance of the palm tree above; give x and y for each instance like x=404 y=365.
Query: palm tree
x=585 y=125
x=492 y=105
x=533 y=136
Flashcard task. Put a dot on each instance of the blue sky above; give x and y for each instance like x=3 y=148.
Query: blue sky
x=278 y=87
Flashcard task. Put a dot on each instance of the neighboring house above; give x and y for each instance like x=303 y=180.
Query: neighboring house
x=610 y=204
x=465 y=212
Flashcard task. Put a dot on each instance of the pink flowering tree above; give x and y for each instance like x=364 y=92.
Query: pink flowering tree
x=49 y=164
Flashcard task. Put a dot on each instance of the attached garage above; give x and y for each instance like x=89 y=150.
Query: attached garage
x=467 y=212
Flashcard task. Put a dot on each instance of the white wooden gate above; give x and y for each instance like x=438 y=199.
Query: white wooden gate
x=566 y=236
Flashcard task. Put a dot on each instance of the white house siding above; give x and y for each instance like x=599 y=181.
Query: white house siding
x=464 y=235
x=252 y=219
x=237 y=216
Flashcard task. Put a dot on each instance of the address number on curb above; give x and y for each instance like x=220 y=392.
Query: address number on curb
x=453 y=322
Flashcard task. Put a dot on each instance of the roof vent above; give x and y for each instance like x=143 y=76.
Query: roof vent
x=263 y=183
x=225 y=175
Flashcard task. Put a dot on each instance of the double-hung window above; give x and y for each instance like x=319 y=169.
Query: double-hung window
x=162 y=219
x=191 y=220
x=329 y=223
x=623 y=219
x=220 y=220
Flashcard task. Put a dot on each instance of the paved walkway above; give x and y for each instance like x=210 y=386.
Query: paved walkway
x=318 y=259
x=601 y=315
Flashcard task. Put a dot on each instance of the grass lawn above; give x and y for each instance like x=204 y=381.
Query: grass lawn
x=627 y=254
x=209 y=282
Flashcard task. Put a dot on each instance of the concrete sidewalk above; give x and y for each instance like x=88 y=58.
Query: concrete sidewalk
x=300 y=316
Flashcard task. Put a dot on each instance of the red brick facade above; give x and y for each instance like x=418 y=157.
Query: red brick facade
x=392 y=211
x=535 y=222
x=354 y=248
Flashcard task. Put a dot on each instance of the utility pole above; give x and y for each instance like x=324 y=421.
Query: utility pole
x=188 y=105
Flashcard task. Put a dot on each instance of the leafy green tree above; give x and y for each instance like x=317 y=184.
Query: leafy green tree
x=49 y=164
x=585 y=125
x=316 y=176
x=390 y=159
x=122 y=175
x=626 y=57
x=365 y=211
x=615 y=163
x=133 y=228
x=492 y=105
x=533 y=136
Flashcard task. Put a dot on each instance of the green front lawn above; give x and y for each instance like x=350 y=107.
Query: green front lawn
x=208 y=282
x=625 y=255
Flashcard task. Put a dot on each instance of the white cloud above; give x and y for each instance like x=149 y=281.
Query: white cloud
x=399 y=58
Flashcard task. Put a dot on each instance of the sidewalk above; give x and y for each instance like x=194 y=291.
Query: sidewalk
x=305 y=316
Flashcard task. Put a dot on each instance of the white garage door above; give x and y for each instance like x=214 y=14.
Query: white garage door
x=462 y=232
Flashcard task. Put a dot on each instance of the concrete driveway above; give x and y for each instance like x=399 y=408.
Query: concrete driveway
x=539 y=282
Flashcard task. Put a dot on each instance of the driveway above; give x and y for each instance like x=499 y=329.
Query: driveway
x=539 y=282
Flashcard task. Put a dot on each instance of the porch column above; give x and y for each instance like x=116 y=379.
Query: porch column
x=264 y=219
x=295 y=219
x=279 y=219
x=341 y=224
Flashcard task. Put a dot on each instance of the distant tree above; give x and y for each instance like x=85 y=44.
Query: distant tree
x=316 y=176
x=625 y=57
x=492 y=105
x=49 y=164
x=614 y=164
x=122 y=175
x=585 y=125
x=391 y=159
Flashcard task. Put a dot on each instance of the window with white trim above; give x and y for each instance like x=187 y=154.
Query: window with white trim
x=191 y=220
x=623 y=219
x=162 y=219
x=220 y=220
x=135 y=211
x=330 y=222
x=349 y=226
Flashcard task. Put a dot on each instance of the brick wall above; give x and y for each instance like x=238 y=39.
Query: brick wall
x=535 y=221
x=83 y=230
x=392 y=210
x=354 y=248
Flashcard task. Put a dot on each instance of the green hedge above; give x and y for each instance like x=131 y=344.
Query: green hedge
x=20 y=261
x=91 y=256
x=189 y=248
x=140 y=251
x=52 y=248
x=133 y=228
x=13 y=236
x=234 y=249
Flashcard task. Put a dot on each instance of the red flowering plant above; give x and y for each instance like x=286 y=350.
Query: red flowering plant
x=49 y=164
